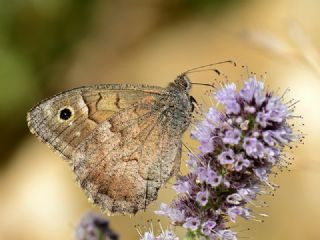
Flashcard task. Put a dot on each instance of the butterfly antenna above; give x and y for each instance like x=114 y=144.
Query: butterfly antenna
x=196 y=69
x=203 y=84
x=204 y=68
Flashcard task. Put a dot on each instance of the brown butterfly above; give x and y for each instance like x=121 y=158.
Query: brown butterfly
x=123 y=142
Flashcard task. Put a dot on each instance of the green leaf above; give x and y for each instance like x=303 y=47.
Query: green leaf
x=190 y=235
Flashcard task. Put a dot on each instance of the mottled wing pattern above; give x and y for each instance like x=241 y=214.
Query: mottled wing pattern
x=121 y=166
x=119 y=142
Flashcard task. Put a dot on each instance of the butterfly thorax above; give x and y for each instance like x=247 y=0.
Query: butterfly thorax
x=179 y=104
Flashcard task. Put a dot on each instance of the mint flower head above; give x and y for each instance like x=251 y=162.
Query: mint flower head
x=166 y=234
x=94 y=226
x=239 y=147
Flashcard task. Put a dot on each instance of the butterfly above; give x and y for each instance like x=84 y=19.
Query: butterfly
x=122 y=141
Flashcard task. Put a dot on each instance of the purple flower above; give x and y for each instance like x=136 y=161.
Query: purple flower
x=213 y=178
x=253 y=90
x=261 y=174
x=272 y=154
x=202 y=197
x=232 y=137
x=235 y=211
x=232 y=107
x=268 y=138
x=262 y=119
x=166 y=234
x=227 y=96
x=253 y=147
x=207 y=147
x=226 y=235
x=164 y=209
x=247 y=193
x=207 y=227
x=192 y=223
x=94 y=226
x=249 y=109
x=239 y=146
x=191 y=163
x=241 y=162
x=181 y=186
x=148 y=236
x=226 y=157
x=203 y=132
x=276 y=110
x=176 y=215
x=202 y=174
x=234 y=198
x=282 y=136
x=213 y=116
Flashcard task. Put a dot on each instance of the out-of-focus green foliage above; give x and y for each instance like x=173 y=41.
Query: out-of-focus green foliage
x=34 y=34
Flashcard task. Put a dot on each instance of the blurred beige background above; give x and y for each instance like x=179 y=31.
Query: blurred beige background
x=53 y=45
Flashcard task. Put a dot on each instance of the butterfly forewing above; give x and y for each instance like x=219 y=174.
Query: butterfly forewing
x=122 y=141
x=90 y=106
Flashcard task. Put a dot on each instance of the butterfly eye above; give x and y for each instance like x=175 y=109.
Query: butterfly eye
x=65 y=114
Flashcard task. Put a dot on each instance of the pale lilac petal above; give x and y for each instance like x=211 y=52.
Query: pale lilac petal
x=202 y=197
x=207 y=227
x=232 y=136
x=253 y=147
x=192 y=223
x=226 y=157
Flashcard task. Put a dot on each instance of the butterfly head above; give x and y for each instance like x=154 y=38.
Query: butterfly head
x=183 y=82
